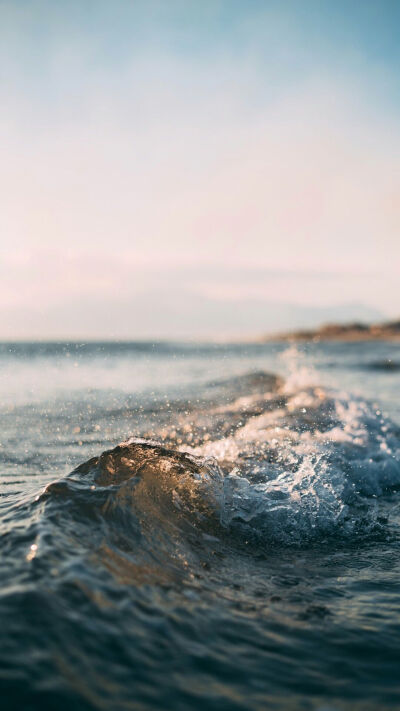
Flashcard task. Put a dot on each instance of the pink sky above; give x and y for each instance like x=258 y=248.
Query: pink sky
x=168 y=165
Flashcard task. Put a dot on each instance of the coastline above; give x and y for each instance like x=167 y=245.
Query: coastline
x=352 y=332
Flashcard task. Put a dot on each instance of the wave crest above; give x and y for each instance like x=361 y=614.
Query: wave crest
x=288 y=465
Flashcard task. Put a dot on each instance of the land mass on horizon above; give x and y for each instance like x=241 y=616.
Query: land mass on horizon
x=354 y=331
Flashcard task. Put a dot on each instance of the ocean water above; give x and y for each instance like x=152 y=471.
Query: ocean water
x=200 y=526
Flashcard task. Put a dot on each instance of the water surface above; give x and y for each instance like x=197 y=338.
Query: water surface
x=238 y=550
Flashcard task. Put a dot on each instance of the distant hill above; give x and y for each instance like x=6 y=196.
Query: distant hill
x=344 y=332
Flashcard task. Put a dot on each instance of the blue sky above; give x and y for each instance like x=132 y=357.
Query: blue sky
x=227 y=155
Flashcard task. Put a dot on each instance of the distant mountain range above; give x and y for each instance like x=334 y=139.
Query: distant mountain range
x=170 y=311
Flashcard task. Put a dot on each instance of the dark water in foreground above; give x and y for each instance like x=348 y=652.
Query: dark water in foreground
x=240 y=550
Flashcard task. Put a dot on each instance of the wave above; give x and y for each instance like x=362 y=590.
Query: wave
x=312 y=466
x=288 y=464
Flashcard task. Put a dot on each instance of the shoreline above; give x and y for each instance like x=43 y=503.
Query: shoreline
x=346 y=333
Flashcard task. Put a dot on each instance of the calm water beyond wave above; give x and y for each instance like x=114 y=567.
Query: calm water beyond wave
x=200 y=527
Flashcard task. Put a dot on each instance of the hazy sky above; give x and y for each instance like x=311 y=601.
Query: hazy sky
x=197 y=168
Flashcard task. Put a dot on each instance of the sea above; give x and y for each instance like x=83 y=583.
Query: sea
x=199 y=526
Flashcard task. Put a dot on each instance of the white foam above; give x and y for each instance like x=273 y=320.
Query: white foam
x=312 y=467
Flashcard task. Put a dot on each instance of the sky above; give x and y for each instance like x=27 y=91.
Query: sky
x=190 y=169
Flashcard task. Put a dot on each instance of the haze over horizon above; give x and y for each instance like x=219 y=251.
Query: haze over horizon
x=184 y=169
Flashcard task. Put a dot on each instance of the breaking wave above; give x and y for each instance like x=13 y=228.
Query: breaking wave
x=286 y=464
